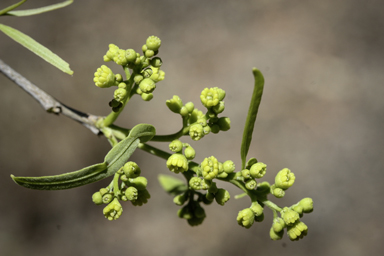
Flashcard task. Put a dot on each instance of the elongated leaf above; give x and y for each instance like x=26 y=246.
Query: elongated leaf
x=10 y=8
x=172 y=185
x=37 y=48
x=252 y=114
x=115 y=159
x=35 y=11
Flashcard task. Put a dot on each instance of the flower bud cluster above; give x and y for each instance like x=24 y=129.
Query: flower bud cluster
x=283 y=180
x=248 y=216
x=254 y=170
x=178 y=162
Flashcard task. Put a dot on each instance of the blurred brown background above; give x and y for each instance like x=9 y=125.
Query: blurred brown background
x=321 y=116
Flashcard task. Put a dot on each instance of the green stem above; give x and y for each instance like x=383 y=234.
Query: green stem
x=10 y=8
x=154 y=151
x=116 y=189
x=271 y=205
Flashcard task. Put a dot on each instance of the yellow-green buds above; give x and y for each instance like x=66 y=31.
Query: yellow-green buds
x=210 y=168
x=156 y=62
x=229 y=166
x=146 y=96
x=196 y=131
x=131 y=193
x=179 y=199
x=147 y=85
x=113 y=210
x=222 y=196
x=307 y=204
x=104 y=77
x=297 y=231
x=176 y=146
x=131 y=170
x=258 y=170
x=120 y=58
x=257 y=209
x=140 y=182
x=142 y=198
x=130 y=55
x=97 y=198
x=278 y=224
x=189 y=106
x=219 y=107
x=197 y=183
x=107 y=198
x=277 y=192
x=289 y=216
x=113 y=49
x=138 y=78
x=275 y=235
x=120 y=94
x=224 y=123
x=251 y=184
x=284 y=179
x=246 y=174
x=209 y=97
x=246 y=218
x=174 y=104
x=153 y=43
x=157 y=74
x=196 y=115
x=177 y=163
x=185 y=213
x=189 y=153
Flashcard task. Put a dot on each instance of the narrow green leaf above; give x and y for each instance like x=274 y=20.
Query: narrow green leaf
x=10 y=8
x=114 y=160
x=172 y=185
x=252 y=114
x=35 y=11
x=37 y=48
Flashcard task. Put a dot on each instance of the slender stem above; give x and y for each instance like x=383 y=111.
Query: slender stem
x=10 y=8
x=271 y=205
x=154 y=151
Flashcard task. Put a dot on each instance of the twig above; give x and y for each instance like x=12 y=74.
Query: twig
x=50 y=104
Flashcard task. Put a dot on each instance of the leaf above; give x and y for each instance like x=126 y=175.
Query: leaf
x=11 y=7
x=37 y=48
x=252 y=114
x=172 y=185
x=114 y=160
x=35 y=11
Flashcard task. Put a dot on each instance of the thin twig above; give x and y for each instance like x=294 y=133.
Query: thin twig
x=50 y=104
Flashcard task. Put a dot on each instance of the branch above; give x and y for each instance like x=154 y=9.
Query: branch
x=50 y=104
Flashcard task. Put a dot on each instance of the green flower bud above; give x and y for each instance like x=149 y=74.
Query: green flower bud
x=142 y=198
x=196 y=115
x=113 y=210
x=224 y=123
x=209 y=97
x=251 y=184
x=257 y=209
x=221 y=93
x=144 y=48
x=277 y=192
x=122 y=85
x=284 y=179
x=113 y=49
x=103 y=191
x=219 y=108
x=176 y=146
x=196 y=131
x=246 y=174
x=206 y=130
x=147 y=73
x=210 y=197
x=199 y=212
x=131 y=193
x=138 y=78
x=196 y=183
x=97 y=198
x=131 y=169
x=258 y=170
x=194 y=221
x=222 y=196
x=259 y=218
x=156 y=62
x=185 y=213
x=212 y=188
x=307 y=204
x=147 y=85
x=174 y=104
x=250 y=162
x=184 y=111
x=177 y=163
x=246 y=218
x=206 y=199
x=289 y=216
x=147 y=96
x=297 y=231
x=190 y=106
x=222 y=175
x=120 y=58
x=275 y=235
x=278 y=224
x=140 y=182
x=189 y=153
x=297 y=208
x=104 y=77
x=210 y=168
x=229 y=166
x=179 y=199
x=130 y=55
x=158 y=75
x=149 y=53
x=107 y=198
x=120 y=94
x=263 y=187
x=153 y=43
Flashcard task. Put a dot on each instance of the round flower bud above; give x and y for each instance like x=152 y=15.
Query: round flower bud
x=177 y=163
x=147 y=73
x=257 y=209
x=103 y=191
x=144 y=48
x=297 y=231
x=275 y=235
x=277 y=192
x=113 y=49
x=246 y=218
x=264 y=186
x=297 y=208
x=122 y=85
x=220 y=92
x=149 y=53
x=184 y=111
x=278 y=224
x=120 y=58
x=147 y=85
x=153 y=43
x=131 y=193
x=222 y=196
x=189 y=153
x=259 y=218
x=246 y=174
x=179 y=199
x=158 y=75
x=209 y=97
x=104 y=77
x=289 y=216
x=194 y=221
x=284 y=179
x=113 y=210
x=222 y=175
x=131 y=170
x=97 y=198
x=251 y=184
x=196 y=131
x=212 y=188
x=174 y=104
x=210 y=168
x=219 y=108
x=140 y=182
x=229 y=166
x=224 y=123
x=130 y=55
x=206 y=130
x=195 y=115
x=176 y=146
x=215 y=129
x=138 y=78
x=307 y=204
x=156 y=62
x=196 y=183
x=120 y=94
x=107 y=198
x=185 y=212
x=142 y=198
x=258 y=170
x=190 y=106
x=199 y=212
x=147 y=96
